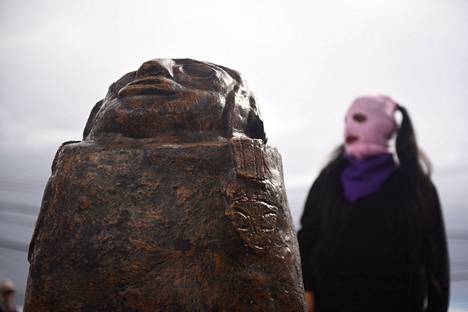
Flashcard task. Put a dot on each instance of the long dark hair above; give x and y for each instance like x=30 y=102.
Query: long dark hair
x=415 y=169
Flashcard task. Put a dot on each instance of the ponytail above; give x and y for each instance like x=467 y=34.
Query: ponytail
x=416 y=169
x=413 y=162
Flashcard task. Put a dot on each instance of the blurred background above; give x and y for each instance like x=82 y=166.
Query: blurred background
x=304 y=60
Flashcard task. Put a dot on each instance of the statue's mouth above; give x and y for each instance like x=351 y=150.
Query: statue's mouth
x=148 y=86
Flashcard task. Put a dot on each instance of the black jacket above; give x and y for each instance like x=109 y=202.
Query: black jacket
x=378 y=254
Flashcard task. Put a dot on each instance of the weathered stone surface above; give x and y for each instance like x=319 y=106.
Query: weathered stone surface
x=172 y=202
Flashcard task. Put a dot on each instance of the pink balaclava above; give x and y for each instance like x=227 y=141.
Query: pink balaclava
x=370 y=124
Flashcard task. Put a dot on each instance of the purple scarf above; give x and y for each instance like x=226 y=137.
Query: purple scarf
x=361 y=178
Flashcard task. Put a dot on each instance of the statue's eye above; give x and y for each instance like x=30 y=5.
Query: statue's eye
x=199 y=71
x=359 y=117
x=153 y=68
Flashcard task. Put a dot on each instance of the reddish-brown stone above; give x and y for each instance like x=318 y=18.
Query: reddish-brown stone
x=172 y=202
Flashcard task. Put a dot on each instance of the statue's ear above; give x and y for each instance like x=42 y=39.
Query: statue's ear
x=254 y=128
x=91 y=118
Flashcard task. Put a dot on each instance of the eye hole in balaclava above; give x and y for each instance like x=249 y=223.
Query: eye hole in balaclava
x=359 y=117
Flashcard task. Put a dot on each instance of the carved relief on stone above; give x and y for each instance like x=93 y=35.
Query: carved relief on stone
x=255 y=221
x=255 y=195
x=249 y=157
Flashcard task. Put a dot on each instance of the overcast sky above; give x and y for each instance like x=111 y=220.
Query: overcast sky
x=304 y=60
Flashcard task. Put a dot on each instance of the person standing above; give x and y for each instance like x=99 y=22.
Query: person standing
x=372 y=235
x=7 y=303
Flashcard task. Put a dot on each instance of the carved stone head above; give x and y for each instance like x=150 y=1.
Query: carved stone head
x=176 y=101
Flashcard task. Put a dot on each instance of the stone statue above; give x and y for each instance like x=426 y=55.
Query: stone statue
x=172 y=202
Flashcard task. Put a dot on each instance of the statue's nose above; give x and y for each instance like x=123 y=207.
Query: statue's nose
x=157 y=67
